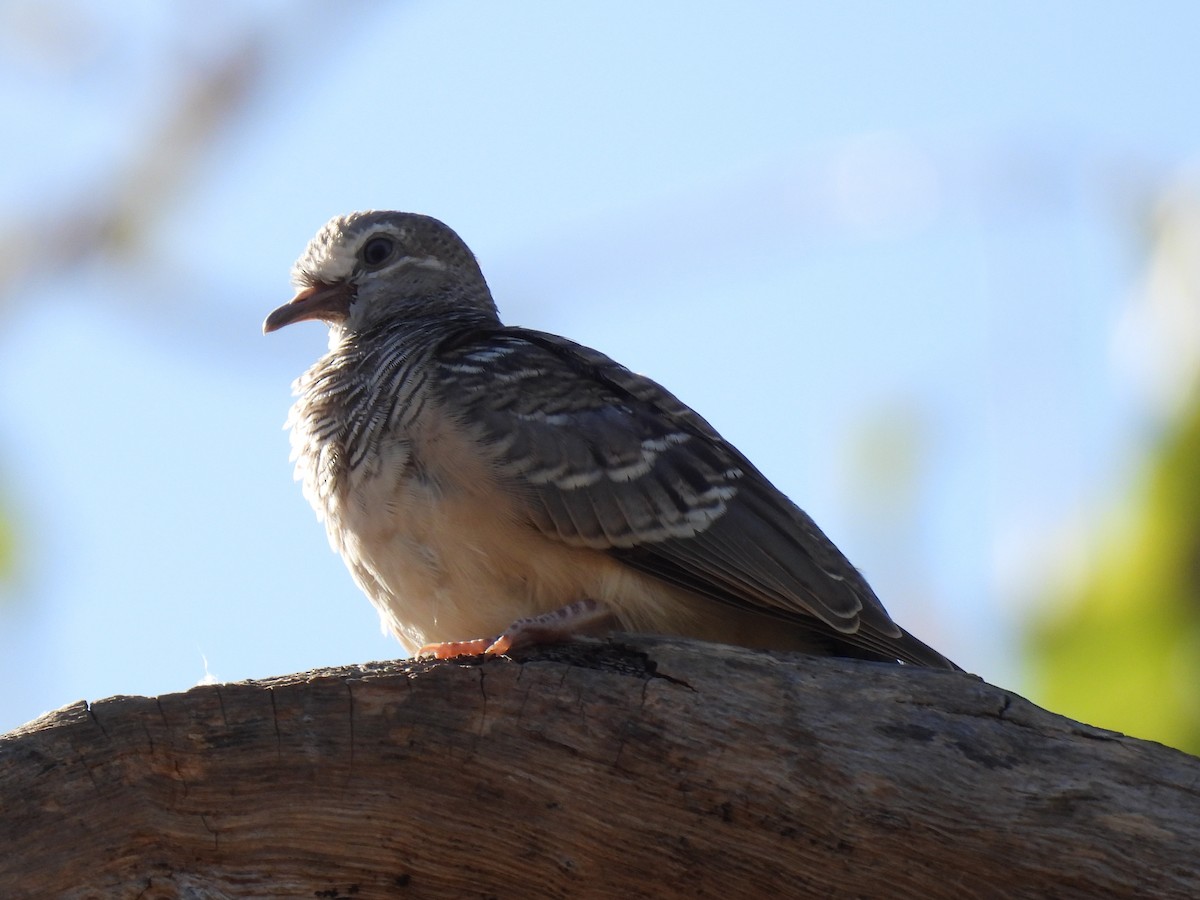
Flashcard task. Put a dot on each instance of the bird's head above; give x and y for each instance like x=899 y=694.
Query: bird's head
x=372 y=267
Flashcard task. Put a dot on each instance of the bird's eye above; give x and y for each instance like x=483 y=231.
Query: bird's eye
x=376 y=251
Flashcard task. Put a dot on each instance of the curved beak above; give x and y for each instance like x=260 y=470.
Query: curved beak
x=327 y=302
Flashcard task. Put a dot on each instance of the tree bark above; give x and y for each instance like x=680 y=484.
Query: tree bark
x=636 y=767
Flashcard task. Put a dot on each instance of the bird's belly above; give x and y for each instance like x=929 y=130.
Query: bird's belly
x=447 y=553
x=446 y=563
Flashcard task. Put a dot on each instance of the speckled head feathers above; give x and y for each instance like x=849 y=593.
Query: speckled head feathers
x=333 y=253
x=368 y=267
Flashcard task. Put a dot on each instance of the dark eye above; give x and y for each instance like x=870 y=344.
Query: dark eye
x=376 y=251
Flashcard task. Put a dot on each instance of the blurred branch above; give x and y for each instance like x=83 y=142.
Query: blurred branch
x=203 y=101
x=111 y=221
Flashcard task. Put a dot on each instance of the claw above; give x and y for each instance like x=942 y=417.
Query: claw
x=547 y=628
x=501 y=645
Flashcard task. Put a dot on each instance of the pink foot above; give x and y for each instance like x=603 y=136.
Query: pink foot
x=547 y=628
x=451 y=649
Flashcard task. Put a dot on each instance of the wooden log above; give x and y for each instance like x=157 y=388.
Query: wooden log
x=637 y=767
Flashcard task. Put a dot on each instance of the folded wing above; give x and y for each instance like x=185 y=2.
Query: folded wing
x=609 y=459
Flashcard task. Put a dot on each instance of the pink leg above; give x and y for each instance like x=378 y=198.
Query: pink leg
x=547 y=628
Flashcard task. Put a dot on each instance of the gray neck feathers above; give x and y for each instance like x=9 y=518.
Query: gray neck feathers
x=371 y=385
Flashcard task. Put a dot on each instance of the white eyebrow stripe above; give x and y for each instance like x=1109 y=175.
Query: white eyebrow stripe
x=431 y=263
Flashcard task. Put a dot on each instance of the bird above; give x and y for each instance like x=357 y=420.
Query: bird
x=492 y=487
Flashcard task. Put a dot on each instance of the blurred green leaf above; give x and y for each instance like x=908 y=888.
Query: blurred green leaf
x=8 y=543
x=1123 y=650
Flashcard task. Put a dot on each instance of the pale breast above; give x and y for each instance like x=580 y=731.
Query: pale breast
x=437 y=544
x=444 y=547
x=445 y=550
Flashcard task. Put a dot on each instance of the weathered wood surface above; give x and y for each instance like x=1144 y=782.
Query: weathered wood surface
x=646 y=767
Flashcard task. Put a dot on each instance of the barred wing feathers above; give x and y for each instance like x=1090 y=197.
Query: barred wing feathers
x=610 y=460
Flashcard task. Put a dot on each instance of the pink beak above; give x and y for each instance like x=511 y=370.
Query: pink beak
x=327 y=302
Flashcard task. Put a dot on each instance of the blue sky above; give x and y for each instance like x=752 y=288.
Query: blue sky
x=884 y=248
